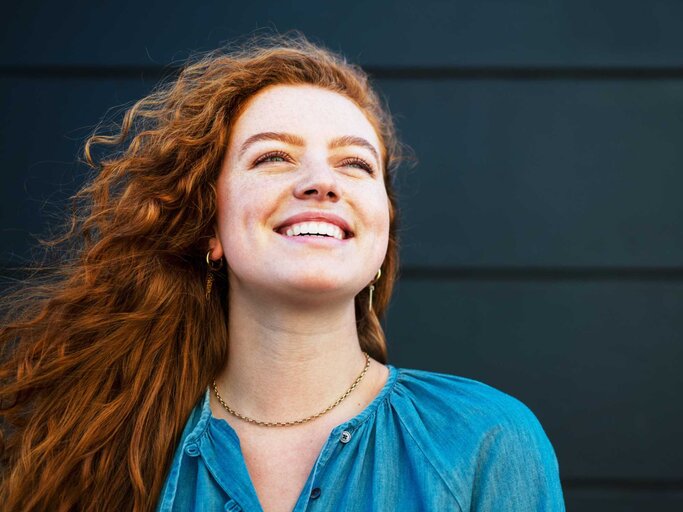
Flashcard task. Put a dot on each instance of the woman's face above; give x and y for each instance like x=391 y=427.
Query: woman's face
x=303 y=213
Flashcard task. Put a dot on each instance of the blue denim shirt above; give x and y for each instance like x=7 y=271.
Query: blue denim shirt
x=428 y=441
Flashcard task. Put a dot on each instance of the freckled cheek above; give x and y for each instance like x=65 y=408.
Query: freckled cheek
x=242 y=239
x=383 y=237
x=247 y=210
x=379 y=214
x=231 y=211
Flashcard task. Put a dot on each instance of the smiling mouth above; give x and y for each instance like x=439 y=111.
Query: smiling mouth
x=314 y=229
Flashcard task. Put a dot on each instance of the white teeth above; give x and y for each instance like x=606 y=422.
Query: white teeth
x=315 y=228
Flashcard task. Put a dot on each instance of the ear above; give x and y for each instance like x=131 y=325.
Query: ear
x=215 y=247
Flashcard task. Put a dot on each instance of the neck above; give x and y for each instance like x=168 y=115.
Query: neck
x=286 y=363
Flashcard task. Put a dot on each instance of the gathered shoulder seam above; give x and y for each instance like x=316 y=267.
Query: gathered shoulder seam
x=429 y=461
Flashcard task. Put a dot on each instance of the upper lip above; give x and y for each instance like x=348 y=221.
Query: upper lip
x=317 y=217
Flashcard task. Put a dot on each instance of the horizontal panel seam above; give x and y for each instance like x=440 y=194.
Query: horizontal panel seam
x=607 y=484
x=380 y=72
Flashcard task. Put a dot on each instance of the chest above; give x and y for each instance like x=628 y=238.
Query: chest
x=279 y=466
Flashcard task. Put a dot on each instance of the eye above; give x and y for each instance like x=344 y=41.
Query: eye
x=360 y=163
x=272 y=156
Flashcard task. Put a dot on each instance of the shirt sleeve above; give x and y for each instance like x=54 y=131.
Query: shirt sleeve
x=517 y=470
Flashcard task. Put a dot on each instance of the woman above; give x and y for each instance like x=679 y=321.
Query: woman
x=215 y=343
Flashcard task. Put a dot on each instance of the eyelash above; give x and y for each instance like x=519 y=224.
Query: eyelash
x=281 y=154
x=359 y=161
x=271 y=154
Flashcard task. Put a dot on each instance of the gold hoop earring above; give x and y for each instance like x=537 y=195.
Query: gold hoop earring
x=372 y=288
x=213 y=267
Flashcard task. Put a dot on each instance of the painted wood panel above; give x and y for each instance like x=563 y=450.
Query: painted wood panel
x=383 y=33
x=597 y=361
x=623 y=500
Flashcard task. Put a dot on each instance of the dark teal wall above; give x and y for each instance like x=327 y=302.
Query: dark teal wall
x=542 y=249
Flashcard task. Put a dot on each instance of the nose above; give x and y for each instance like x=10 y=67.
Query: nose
x=319 y=182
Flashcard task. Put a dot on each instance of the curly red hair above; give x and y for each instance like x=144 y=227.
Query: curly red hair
x=103 y=360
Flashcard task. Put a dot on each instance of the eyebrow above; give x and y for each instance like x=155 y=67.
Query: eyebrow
x=287 y=138
x=295 y=140
x=351 y=140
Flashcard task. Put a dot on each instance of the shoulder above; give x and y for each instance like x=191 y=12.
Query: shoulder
x=476 y=436
x=460 y=402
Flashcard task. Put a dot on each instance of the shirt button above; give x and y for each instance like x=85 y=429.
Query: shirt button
x=232 y=506
x=345 y=436
x=315 y=493
x=192 y=449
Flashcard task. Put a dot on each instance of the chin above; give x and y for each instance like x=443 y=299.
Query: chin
x=322 y=285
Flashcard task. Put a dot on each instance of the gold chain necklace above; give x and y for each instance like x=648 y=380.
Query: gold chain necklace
x=296 y=422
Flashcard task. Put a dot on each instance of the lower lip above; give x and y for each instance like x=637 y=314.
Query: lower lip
x=315 y=240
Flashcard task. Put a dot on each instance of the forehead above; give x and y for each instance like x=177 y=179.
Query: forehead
x=305 y=110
